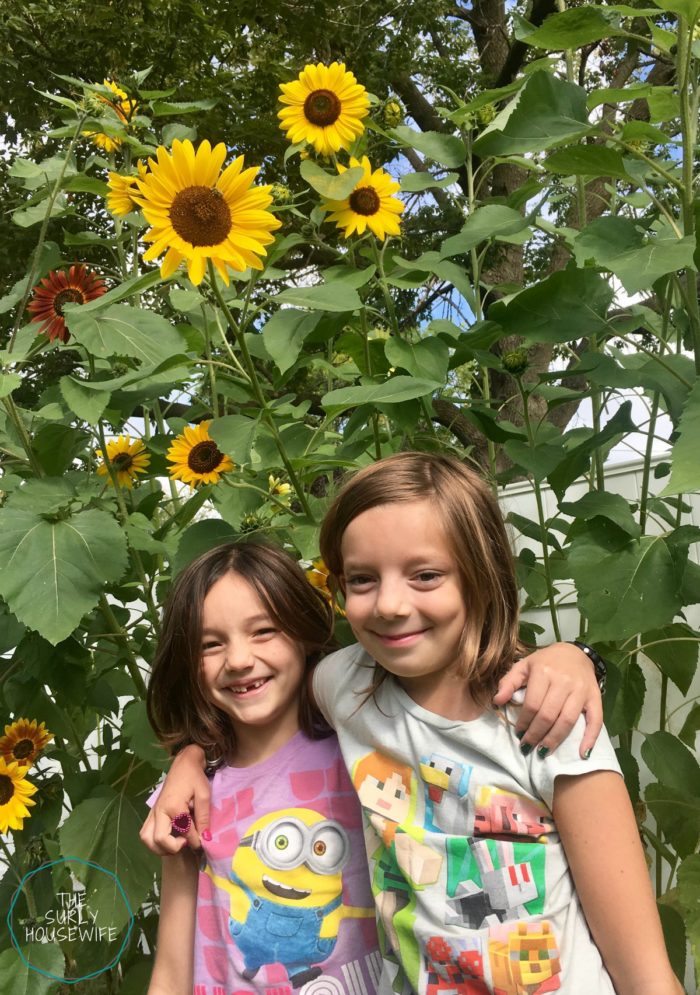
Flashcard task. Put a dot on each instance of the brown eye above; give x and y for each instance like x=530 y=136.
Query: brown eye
x=319 y=848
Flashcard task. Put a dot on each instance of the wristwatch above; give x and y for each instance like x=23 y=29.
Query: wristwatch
x=600 y=667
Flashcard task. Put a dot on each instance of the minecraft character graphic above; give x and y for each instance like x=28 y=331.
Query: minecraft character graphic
x=524 y=960
x=403 y=863
x=446 y=787
x=453 y=967
x=503 y=814
x=286 y=892
x=506 y=886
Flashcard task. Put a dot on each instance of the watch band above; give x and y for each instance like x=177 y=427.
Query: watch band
x=599 y=665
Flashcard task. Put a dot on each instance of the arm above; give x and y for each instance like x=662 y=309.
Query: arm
x=186 y=783
x=594 y=817
x=173 y=973
x=561 y=684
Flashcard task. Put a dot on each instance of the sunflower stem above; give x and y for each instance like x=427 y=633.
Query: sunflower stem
x=258 y=392
x=160 y=423
x=11 y=408
x=24 y=885
x=42 y=233
x=117 y=631
x=368 y=364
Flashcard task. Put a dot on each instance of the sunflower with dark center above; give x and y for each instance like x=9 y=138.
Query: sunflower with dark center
x=15 y=796
x=23 y=741
x=197 y=212
x=128 y=459
x=370 y=205
x=195 y=457
x=325 y=107
x=59 y=288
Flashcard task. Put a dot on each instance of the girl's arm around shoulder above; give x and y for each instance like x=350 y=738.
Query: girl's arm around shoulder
x=173 y=973
x=185 y=787
x=594 y=817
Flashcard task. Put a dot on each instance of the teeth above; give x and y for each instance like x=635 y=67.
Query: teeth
x=249 y=687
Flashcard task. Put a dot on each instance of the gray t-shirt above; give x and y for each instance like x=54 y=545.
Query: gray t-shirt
x=470 y=880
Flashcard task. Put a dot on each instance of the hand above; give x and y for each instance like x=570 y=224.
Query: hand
x=561 y=685
x=186 y=789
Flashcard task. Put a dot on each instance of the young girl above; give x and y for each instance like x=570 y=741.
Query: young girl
x=283 y=866
x=494 y=870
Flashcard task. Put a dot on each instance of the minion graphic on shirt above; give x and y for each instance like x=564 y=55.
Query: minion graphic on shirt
x=286 y=892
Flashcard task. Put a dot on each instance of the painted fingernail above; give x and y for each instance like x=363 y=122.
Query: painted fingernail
x=542 y=752
x=520 y=734
x=526 y=749
x=587 y=754
x=206 y=836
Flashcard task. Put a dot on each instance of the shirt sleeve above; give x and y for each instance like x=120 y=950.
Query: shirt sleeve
x=566 y=760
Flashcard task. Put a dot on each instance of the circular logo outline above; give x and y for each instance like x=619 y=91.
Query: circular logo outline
x=48 y=974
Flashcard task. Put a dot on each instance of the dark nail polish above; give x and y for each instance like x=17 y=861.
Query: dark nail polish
x=520 y=734
x=206 y=836
x=542 y=752
x=526 y=749
x=587 y=754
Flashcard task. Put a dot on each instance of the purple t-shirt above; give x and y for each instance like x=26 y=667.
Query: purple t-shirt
x=284 y=899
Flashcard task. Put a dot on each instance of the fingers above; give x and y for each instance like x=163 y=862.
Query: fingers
x=594 y=723
x=517 y=677
x=156 y=834
x=200 y=825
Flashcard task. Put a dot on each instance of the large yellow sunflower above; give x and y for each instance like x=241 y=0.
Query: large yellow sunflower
x=318 y=576
x=15 y=796
x=124 y=196
x=124 y=109
x=23 y=741
x=326 y=106
x=128 y=459
x=196 y=458
x=370 y=205
x=199 y=213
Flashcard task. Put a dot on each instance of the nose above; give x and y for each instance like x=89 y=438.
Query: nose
x=390 y=601
x=239 y=657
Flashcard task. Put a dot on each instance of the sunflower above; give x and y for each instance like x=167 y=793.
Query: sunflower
x=123 y=196
x=326 y=108
x=78 y=286
x=124 y=109
x=128 y=459
x=23 y=741
x=196 y=458
x=370 y=205
x=318 y=575
x=15 y=796
x=198 y=213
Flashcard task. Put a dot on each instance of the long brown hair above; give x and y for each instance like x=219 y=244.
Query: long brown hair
x=178 y=706
x=471 y=518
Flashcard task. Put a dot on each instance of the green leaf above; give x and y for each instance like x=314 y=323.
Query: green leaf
x=418 y=182
x=605 y=505
x=104 y=829
x=685 y=468
x=689 y=895
x=140 y=737
x=539 y=461
x=688 y=9
x=390 y=392
x=234 y=435
x=572 y=29
x=485 y=223
x=128 y=288
x=691 y=726
x=34 y=215
x=86 y=184
x=427 y=358
x=624 y=698
x=16 y=978
x=322 y=297
x=333 y=187
x=8 y=383
x=674 y=937
x=284 y=335
x=606 y=95
x=85 y=403
x=166 y=107
x=546 y=112
x=678 y=815
x=568 y=305
x=122 y=330
x=200 y=538
x=675 y=652
x=448 y=150
x=587 y=160
x=672 y=763
x=53 y=572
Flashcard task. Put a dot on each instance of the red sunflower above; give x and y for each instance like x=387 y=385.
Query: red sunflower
x=78 y=286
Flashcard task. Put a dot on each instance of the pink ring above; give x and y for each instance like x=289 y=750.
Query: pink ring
x=181 y=824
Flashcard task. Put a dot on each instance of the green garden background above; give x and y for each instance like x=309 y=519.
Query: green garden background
x=519 y=247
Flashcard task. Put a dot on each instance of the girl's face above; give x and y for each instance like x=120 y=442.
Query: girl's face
x=403 y=594
x=251 y=670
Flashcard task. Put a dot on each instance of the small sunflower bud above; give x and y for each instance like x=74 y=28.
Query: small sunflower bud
x=250 y=523
x=392 y=113
x=515 y=362
x=485 y=115
x=281 y=194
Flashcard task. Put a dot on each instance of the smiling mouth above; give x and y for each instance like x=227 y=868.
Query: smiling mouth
x=397 y=639
x=282 y=890
x=245 y=688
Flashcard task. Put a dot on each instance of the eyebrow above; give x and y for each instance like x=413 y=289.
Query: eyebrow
x=252 y=620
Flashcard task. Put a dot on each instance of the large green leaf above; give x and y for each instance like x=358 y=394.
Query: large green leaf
x=336 y=296
x=577 y=460
x=234 y=435
x=426 y=359
x=688 y=9
x=128 y=288
x=104 y=829
x=284 y=335
x=139 y=734
x=674 y=650
x=572 y=29
x=678 y=815
x=689 y=895
x=122 y=330
x=417 y=182
x=568 y=305
x=485 y=223
x=539 y=461
x=390 y=392
x=448 y=150
x=685 y=468
x=671 y=762
x=53 y=572
x=333 y=187
x=16 y=978
x=85 y=403
x=546 y=112
x=587 y=160
x=606 y=505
